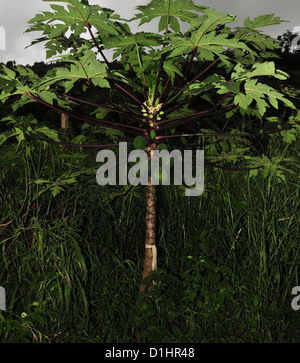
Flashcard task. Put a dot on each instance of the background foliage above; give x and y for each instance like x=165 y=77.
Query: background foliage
x=72 y=251
x=71 y=262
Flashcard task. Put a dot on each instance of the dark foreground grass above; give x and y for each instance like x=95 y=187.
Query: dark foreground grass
x=71 y=264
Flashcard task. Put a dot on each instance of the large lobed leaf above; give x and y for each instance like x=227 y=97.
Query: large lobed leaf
x=75 y=16
x=168 y=12
x=257 y=91
x=85 y=67
x=133 y=43
x=204 y=37
x=66 y=27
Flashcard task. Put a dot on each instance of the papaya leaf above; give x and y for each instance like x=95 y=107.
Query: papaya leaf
x=10 y=74
x=133 y=43
x=261 y=21
x=208 y=23
x=258 y=70
x=168 y=13
x=204 y=38
x=259 y=91
x=87 y=67
x=75 y=16
x=171 y=69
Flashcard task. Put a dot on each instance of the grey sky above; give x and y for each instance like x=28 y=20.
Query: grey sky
x=14 y=15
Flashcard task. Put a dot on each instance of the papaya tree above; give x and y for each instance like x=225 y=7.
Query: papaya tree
x=188 y=81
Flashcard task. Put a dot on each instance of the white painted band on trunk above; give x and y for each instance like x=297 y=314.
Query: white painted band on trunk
x=154 y=256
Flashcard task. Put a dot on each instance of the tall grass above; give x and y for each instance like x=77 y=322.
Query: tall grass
x=71 y=264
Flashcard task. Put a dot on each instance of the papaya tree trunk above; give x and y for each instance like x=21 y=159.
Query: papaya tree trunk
x=150 y=262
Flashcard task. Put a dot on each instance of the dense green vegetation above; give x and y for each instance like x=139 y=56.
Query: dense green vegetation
x=71 y=263
x=72 y=251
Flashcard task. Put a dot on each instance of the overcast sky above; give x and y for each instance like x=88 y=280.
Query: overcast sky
x=14 y=15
